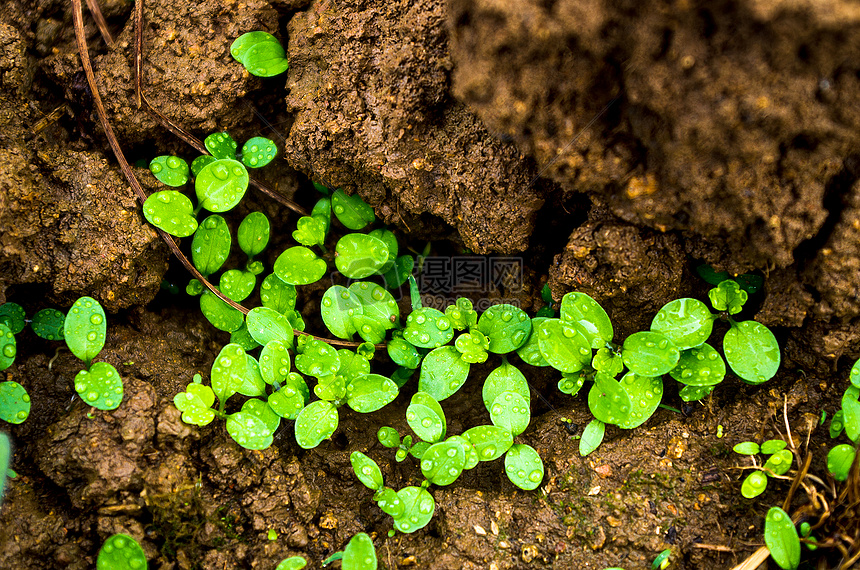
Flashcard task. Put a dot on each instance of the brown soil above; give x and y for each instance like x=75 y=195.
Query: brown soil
x=613 y=145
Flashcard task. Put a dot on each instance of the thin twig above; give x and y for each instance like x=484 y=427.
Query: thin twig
x=93 y=5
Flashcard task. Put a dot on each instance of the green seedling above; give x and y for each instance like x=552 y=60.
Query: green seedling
x=48 y=324
x=84 y=329
x=661 y=562
x=257 y=152
x=292 y=563
x=360 y=255
x=592 y=437
x=839 y=461
x=261 y=54
x=299 y=266
x=364 y=308
x=14 y=402
x=351 y=211
x=170 y=170
x=781 y=538
x=121 y=552
x=777 y=464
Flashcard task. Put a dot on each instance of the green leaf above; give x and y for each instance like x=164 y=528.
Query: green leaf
x=316 y=422
x=228 y=371
x=443 y=462
x=8 y=347
x=359 y=554
x=360 y=255
x=426 y=418
x=291 y=398
x=352 y=211
x=310 y=231
x=608 y=401
x=388 y=437
x=403 y=353
x=747 y=448
x=772 y=446
x=292 y=563
x=220 y=145
x=370 y=393
x=100 y=386
x=608 y=361
x=781 y=539
x=237 y=284
x=194 y=288
x=239 y=48
x=473 y=347
x=387 y=500
x=48 y=324
x=649 y=353
x=278 y=295
x=252 y=428
x=418 y=509
x=524 y=467
x=265 y=59
x=645 y=394
x=299 y=266
x=506 y=377
x=428 y=328
x=352 y=364
x=471 y=455
x=530 y=351
x=490 y=442
x=196 y=404
x=694 y=393
x=754 y=485
x=275 y=361
x=442 y=372
x=253 y=234
x=337 y=309
x=390 y=240
x=211 y=245
x=837 y=424
x=506 y=326
x=243 y=338
x=711 y=276
x=581 y=309
x=854 y=375
x=780 y=462
x=200 y=162
x=751 y=351
x=170 y=170
x=221 y=185
x=13 y=316
x=258 y=152
x=571 y=382
x=170 y=211
x=700 y=366
x=322 y=212
x=14 y=403
x=728 y=296
x=839 y=461
x=266 y=325
x=121 y=552
x=686 y=322
x=510 y=411
x=221 y=315
x=5 y=455
x=851 y=412
x=318 y=359
x=592 y=437
x=563 y=345
x=84 y=329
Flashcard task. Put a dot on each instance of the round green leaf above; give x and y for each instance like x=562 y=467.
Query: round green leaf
x=265 y=59
x=608 y=361
x=490 y=442
x=378 y=305
x=389 y=502
x=839 y=461
x=563 y=345
x=299 y=266
x=530 y=351
x=221 y=184
x=506 y=326
x=253 y=234
x=510 y=411
x=239 y=48
x=649 y=353
x=571 y=383
x=443 y=462
x=310 y=231
x=462 y=314
x=244 y=339
x=699 y=366
x=170 y=170
x=442 y=372
x=751 y=351
x=8 y=347
x=316 y=422
x=854 y=375
x=473 y=347
x=228 y=371
x=352 y=211
x=781 y=539
x=524 y=467
x=48 y=324
x=608 y=401
x=211 y=245
x=728 y=296
x=359 y=554
x=291 y=398
x=248 y=430
x=84 y=329
x=100 y=386
x=221 y=315
x=694 y=393
x=851 y=412
x=360 y=255
x=322 y=212
x=592 y=437
x=237 y=284
x=505 y=378
x=318 y=359
x=370 y=393
x=399 y=272
x=426 y=418
x=275 y=361
x=121 y=552
x=403 y=353
x=645 y=395
x=388 y=437
x=428 y=328
x=13 y=316
x=200 y=162
x=418 y=507
x=292 y=563
x=780 y=462
x=170 y=211
x=747 y=448
x=754 y=485
x=258 y=152
x=366 y=470
x=266 y=325
x=390 y=240
x=581 y=309
x=14 y=402
x=278 y=295
x=221 y=146
x=686 y=322
x=196 y=404
x=771 y=446
x=337 y=309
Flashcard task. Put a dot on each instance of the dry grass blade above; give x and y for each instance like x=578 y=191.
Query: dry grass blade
x=93 y=5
